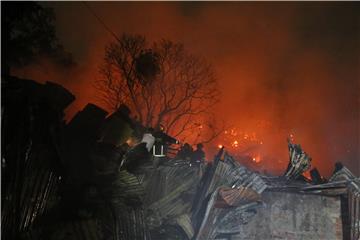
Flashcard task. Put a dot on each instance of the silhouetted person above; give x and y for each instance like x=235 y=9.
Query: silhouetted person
x=185 y=152
x=338 y=167
x=316 y=178
x=198 y=156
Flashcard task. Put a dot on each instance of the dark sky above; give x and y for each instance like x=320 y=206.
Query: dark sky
x=286 y=67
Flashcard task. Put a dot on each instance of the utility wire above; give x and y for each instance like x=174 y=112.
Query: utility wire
x=101 y=21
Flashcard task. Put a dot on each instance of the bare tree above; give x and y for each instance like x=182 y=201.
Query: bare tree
x=162 y=84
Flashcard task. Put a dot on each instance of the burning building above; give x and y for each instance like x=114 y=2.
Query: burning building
x=79 y=180
x=80 y=170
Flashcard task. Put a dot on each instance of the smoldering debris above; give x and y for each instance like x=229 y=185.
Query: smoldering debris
x=299 y=162
x=81 y=180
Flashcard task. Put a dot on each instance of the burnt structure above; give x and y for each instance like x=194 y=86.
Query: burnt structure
x=79 y=180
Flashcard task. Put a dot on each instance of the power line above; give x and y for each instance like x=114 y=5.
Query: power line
x=101 y=21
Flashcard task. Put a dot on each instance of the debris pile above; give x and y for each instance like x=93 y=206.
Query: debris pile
x=299 y=162
x=81 y=180
x=31 y=167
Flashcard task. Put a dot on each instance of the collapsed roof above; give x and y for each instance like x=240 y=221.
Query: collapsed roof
x=170 y=200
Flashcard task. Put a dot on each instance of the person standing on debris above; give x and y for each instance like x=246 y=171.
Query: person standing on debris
x=198 y=156
x=338 y=167
x=185 y=152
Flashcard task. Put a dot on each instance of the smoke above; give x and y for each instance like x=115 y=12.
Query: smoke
x=283 y=68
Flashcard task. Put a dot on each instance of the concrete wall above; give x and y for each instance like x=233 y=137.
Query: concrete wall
x=294 y=216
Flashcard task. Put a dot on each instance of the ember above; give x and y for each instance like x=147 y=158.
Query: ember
x=256 y=159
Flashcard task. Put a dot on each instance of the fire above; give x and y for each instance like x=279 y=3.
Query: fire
x=129 y=142
x=307 y=174
x=256 y=159
x=245 y=145
x=291 y=137
x=240 y=139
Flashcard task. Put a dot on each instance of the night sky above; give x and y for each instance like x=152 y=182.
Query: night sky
x=283 y=68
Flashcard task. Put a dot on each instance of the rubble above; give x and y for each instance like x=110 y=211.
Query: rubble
x=299 y=162
x=31 y=165
x=80 y=181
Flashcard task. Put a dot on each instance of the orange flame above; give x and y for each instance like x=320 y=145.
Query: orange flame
x=256 y=159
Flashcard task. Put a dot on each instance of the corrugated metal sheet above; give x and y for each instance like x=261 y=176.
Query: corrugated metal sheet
x=354 y=209
x=232 y=186
x=178 y=182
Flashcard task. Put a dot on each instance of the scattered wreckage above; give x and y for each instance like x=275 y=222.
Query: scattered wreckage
x=72 y=181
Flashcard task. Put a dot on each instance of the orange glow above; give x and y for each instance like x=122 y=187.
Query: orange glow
x=269 y=94
x=291 y=137
x=256 y=159
x=307 y=174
